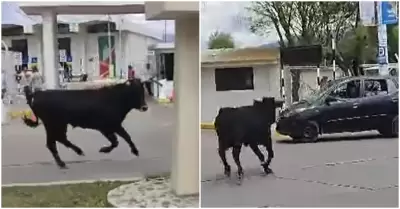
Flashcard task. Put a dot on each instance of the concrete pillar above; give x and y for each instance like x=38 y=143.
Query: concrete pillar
x=39 y=55
x=84 y=45
x=50 y=49
x=287 y=80
x=185 y=162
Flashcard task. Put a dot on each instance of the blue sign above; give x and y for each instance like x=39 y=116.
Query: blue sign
x=389 y=12
x=25 y=60
x=34 y=60
x=69 y=58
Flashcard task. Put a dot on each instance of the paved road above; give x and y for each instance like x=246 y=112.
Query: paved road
x=355 y=171
x=25 y=158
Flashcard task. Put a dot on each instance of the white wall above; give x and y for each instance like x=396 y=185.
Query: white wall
x=136 y=53
x=135 y=47
x=266 y=83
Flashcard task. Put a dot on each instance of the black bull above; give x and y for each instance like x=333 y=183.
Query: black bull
x=249 y=126
x=102 y=109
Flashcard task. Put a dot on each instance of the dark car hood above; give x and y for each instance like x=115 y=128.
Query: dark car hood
x=295 y=106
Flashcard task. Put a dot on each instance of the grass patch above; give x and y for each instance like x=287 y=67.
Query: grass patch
x=68 y=195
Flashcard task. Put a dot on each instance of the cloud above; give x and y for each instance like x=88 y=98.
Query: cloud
x=156 y=25
x=228 y=17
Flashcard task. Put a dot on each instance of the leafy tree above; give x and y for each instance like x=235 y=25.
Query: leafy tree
x=393 y=41
x=218 y=40
x=304 y=23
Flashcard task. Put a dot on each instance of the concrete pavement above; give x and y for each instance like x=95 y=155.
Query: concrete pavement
x=339 y=171
x=25 y=158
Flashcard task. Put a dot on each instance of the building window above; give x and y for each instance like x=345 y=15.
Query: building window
x=228 y=79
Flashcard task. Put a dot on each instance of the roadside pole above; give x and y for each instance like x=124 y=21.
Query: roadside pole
x=383 y=58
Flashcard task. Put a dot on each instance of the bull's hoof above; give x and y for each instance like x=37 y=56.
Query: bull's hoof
x=62 y=165
x=80 y=152
x=227 y=173
x=106 y=149
x=239 y=180
x=268 y=171
x=135 y=152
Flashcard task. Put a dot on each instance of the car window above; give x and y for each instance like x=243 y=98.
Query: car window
x=347 y=90
x=374 y=87
x=391 y=85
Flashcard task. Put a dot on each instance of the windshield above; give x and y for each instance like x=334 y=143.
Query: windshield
x=317 y=95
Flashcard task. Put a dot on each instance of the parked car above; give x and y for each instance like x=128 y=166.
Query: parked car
x=350 y=104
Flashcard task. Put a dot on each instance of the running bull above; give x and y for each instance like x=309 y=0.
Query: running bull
x=249 y=126
x=102 y=109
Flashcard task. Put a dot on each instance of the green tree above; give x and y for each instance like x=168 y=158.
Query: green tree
x=219 y=40
x=304 y=23
x=393 y=41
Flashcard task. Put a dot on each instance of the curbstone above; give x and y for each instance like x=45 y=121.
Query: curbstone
x=150 y=193
x=164 y=101
x=134 y=179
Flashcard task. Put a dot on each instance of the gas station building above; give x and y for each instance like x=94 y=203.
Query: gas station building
x=185 y=162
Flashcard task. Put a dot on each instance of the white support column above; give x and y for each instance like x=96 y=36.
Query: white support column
x=288 y=85
x=185 y=161
x=39 y=34
x=50 y=49
x=83 y=58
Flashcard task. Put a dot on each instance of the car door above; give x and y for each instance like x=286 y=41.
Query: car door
x=379 y=102
x=341 y=115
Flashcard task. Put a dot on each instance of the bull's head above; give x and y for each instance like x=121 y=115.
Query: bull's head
x=137 y=87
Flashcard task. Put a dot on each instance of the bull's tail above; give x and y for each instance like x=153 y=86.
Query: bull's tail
x=29 y=98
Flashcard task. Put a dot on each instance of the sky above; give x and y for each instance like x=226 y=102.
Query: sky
x=225 y=17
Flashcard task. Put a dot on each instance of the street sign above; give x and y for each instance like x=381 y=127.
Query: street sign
x=18 y=58
x=367 y=13
x=34 y=60
x=63 y=55
x=389 y=12
x=382 y=55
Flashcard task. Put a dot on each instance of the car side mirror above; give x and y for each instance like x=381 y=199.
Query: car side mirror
x=330 y=99
x=279 y=103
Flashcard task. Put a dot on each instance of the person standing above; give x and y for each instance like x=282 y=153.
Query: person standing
x=3 y=84
x=146 y=79
x=26 y=78
x=131 y=72
x=67 y=73
x=37 y=80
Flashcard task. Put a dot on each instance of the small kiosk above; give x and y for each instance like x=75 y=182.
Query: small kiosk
x=163 y=60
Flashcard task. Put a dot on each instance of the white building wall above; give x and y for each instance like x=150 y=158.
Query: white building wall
x=134 y=45
x=136 y=54
x=266 y=83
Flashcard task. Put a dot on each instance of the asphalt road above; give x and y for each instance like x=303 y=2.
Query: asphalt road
x=341 y=170
x=25 y=158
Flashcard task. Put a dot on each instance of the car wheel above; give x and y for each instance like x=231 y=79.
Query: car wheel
x=391 y=130
x=310 y=132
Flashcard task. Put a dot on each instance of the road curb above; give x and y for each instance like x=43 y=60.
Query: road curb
x=134 y=179
x=164 y=101
x=13 y=114
x=207 y=125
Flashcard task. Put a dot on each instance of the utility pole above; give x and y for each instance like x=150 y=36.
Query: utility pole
x=383 y=58
x=333 y=56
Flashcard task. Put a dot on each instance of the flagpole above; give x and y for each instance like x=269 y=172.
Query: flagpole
x=110 y=67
